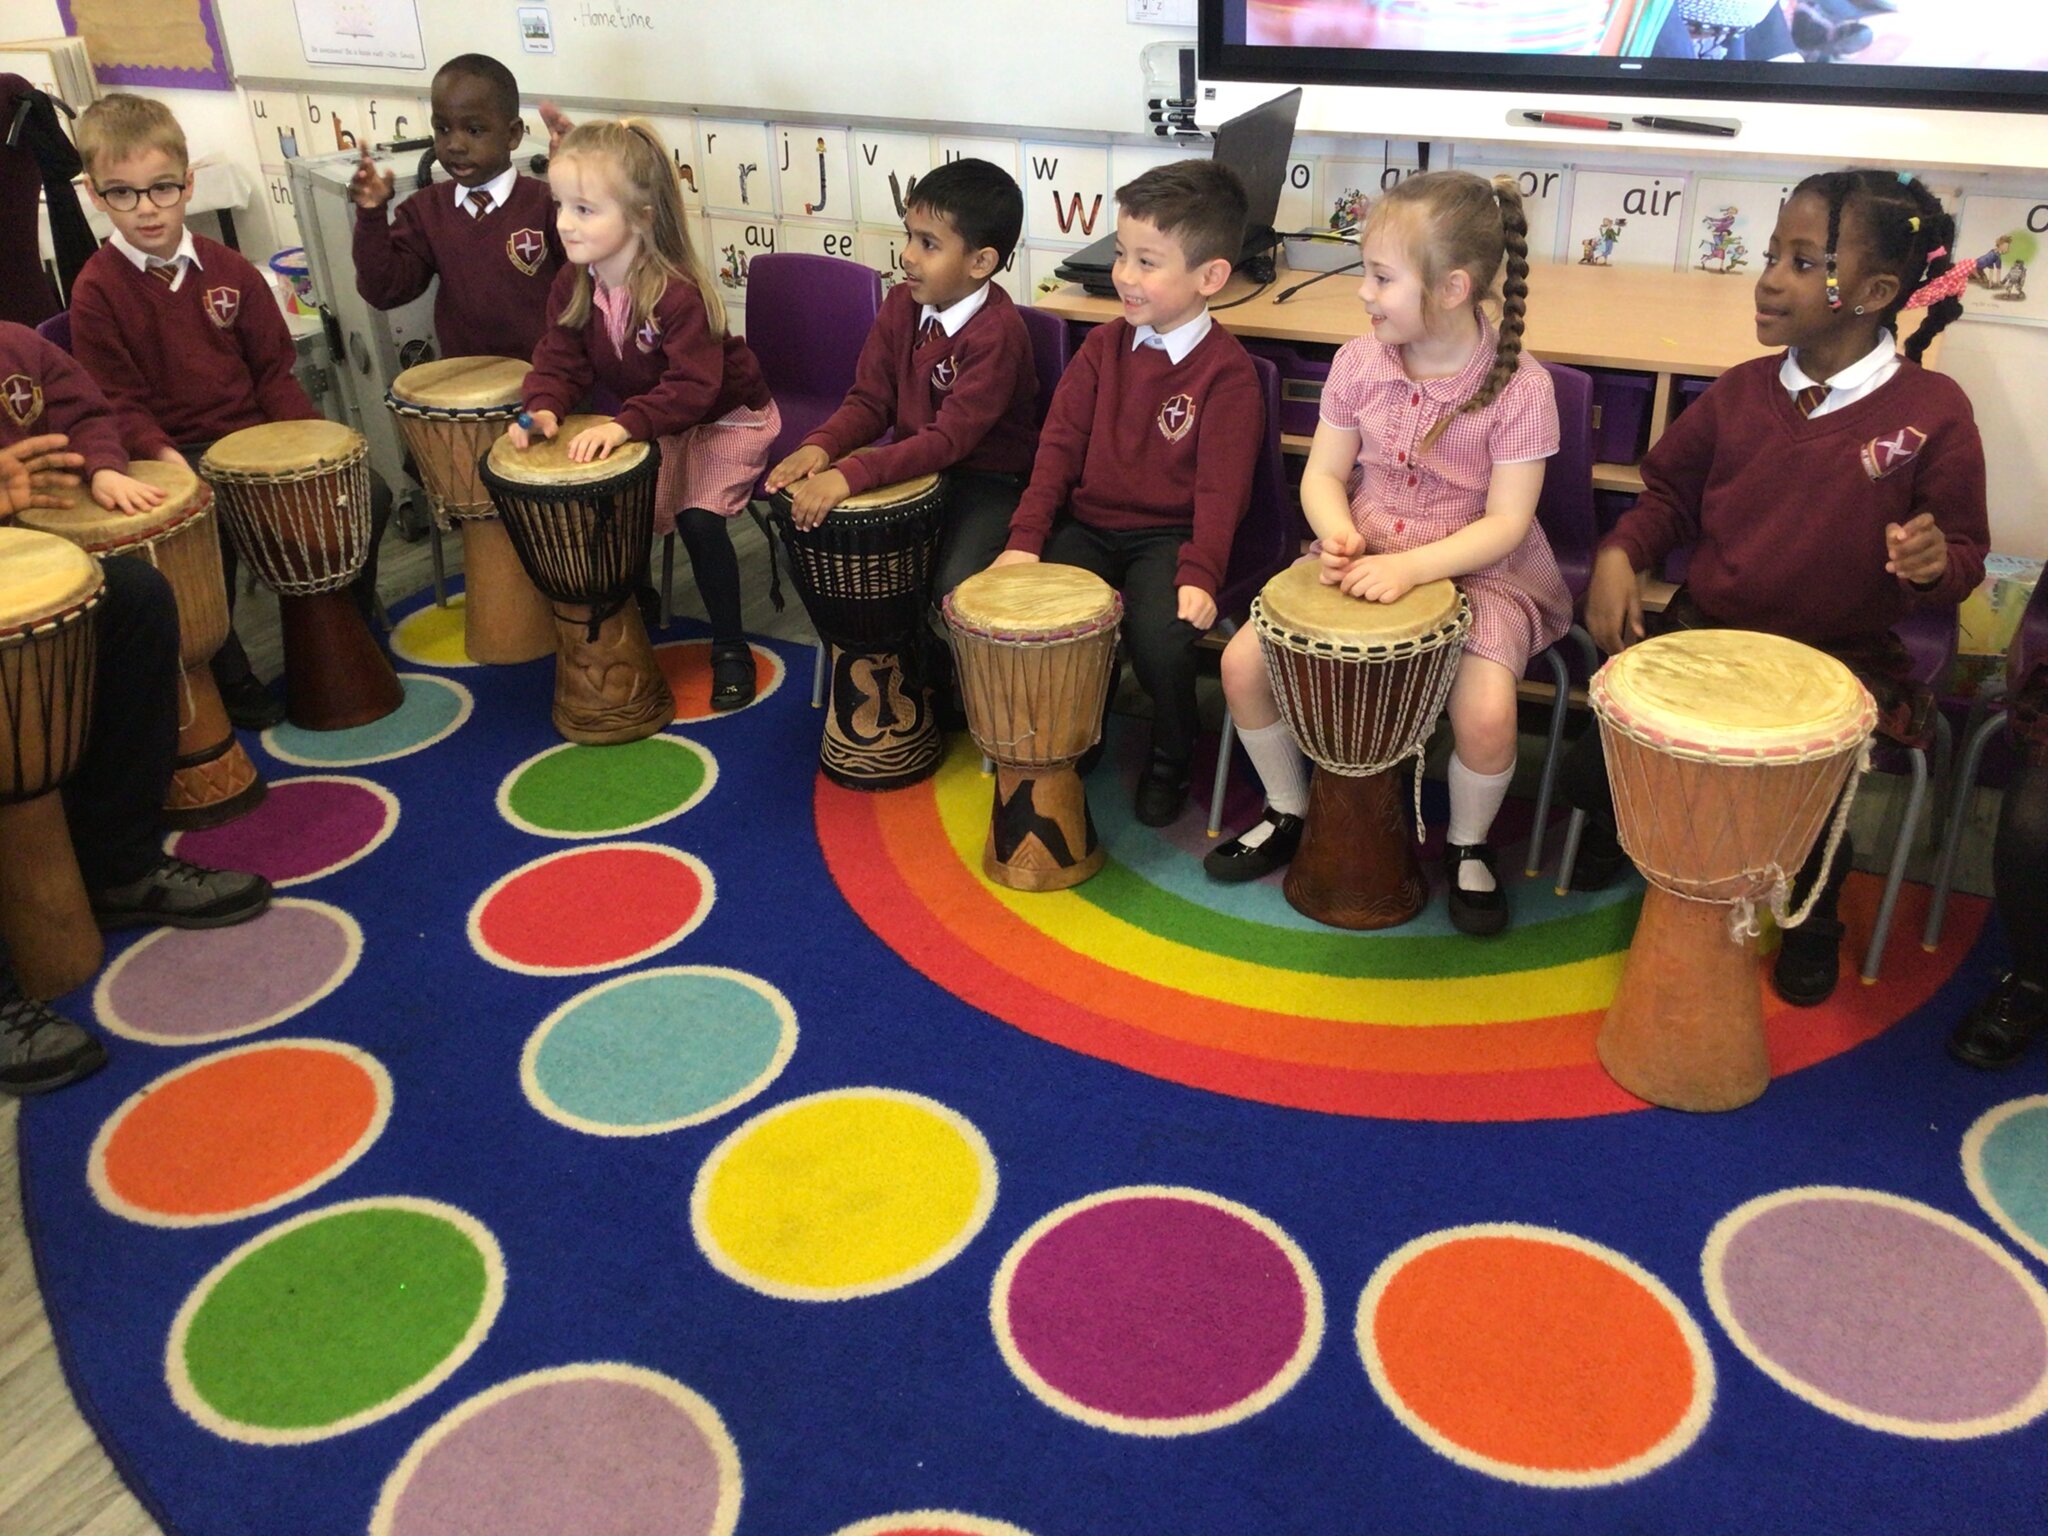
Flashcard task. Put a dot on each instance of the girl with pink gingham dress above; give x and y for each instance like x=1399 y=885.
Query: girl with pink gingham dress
x=1427 y=464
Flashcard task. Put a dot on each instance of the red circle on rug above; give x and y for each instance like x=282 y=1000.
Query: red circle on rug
x=590 y=909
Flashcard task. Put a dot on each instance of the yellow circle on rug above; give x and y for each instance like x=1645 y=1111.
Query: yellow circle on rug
x=841 y=1194
x=432 y=636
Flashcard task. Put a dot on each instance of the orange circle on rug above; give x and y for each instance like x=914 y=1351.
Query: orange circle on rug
x=1535 y=1356
x=687 y=666
x=591 y=909
x=240 y=1132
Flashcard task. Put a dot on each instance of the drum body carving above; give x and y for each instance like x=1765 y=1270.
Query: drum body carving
x=214 y=780
x=1035 y=647
x=48 y=591
x=865 y=576
x=1361 y=685
x=295 y=497
x=450 y=412
x=1727 y=752
x=581 y=532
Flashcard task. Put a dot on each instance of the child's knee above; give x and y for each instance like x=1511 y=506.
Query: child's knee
x=1243 y=668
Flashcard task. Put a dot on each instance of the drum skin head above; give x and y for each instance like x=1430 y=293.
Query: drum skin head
x=462 y=384
x=1033 y=599
x=1297 y=601
x=42 y=576
x=90 y=526
x=284 y=449
x=547 y=462
x=883 y=497
x=1736 y=689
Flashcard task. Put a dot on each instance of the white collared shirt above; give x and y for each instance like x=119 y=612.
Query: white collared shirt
x=1863 y=377
x=955 y=316
x=1178 y=342
x=185 y=258
x=498 y=187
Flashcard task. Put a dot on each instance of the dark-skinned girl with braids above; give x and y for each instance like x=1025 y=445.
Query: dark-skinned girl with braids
x=1826 y=491
x=1426 y=464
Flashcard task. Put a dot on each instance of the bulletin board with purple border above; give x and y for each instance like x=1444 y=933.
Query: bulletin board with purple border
x=173 y=43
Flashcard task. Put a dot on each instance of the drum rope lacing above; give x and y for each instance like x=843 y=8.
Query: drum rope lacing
x=63 y=669
x=299 y=544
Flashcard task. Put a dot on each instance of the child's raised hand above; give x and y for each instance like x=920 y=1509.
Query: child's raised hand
x=535 y=424
x=594 y=443
x=369 y=187
x=123 y=493
x=1197 y=608
x=557 y=123
x=1916 y=550
x=1378 y=578
x=816 y=496
x=1013 y=557
x=32 y=470
x=807 y=460
x=1614 y=602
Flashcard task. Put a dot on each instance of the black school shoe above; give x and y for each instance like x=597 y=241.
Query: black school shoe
x=40 y=1049
x=250 y=705
x=1162 y=791
x=1809 y=962
x=732 y=675
x=1479 y=913
x=1249 y=856
x=175 y=894
x=1998 y=1030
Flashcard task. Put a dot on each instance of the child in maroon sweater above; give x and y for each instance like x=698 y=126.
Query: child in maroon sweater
x=639 y=332
x=948 y=367
x=1149 y=447
x=43 y=391
x=1826 y=492
x=490 y=237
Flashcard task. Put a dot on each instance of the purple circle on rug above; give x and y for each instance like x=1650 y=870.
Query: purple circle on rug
x=186 y=986
x=1156 y=1307
x=1883 y=1310
x=596 y=1454
x=305 y=828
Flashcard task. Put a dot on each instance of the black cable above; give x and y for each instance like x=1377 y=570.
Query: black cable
x=1244 y=300
x=1287 y=293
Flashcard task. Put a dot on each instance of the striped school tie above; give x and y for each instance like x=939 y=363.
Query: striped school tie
x=479 y=203
x=1809 y=398
x=165 y=272
x=928 y=330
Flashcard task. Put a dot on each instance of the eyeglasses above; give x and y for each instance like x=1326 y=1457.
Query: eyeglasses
x=124 y=199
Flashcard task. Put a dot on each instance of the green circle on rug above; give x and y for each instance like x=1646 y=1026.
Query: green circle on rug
x=335 y=1319
x=578 y=791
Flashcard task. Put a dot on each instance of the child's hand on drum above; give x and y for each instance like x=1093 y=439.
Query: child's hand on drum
x=32 y=470
x=124 y=494
x=1614 y=602
x=369 y=187
x=1197 y=607
x=806 y=461
x=1379 y=578
x=531 y=425
x=594 y=443
x=815 y=497
x=1337 y=552
x=1916 y=551
x=1013 y=557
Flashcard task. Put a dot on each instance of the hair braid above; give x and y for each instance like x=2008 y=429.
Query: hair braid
x=1938 y=228
x=1900 y=225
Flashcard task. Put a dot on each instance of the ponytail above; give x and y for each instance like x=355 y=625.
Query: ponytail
x=1483 y=229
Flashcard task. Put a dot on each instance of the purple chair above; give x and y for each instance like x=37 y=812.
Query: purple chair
x=1050 y=344
x=2029 y=650
x=57 y=329
x=1265 y=545
x=1930 y=640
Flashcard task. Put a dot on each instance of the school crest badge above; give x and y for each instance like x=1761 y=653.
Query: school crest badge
x=222 y=305
x=527 y=248
x=944 y=373
x=22 y=398
x=1177 y=418
x=1882 y=455
x=648 y=337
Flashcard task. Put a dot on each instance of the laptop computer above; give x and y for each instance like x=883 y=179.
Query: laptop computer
x=1254 y=145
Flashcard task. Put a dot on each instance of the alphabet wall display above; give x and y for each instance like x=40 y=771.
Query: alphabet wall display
x=1003 y=152
x=1730 y=224
x=1067 y=194
x=279 y=122
x=841 y=240
x=680 y=135
x=812 y=176
x=2007 y=237
x=389 y=119
x=332 y=123
x=1543 y=198
x=882 y=249
x=1298 y=200
x=281 y=209
x=1348 y=187
x=737 y=166
x=1625 y=218
x=734 y=244
x=885 y=167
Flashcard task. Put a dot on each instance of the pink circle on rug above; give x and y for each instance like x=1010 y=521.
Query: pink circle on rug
x=597 y=1450
x=1157 y=1311
x=305 y=828
x=185 y=986
x=591 y=909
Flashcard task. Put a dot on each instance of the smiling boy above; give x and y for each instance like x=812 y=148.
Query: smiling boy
x=490 y=237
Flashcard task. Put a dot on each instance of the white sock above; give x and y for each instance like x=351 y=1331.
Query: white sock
x=1475 y=801
x=1280 y=766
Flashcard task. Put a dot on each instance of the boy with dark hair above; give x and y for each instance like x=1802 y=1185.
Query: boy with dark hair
x=1149 y=448
x=490 y=238
x=947 y=366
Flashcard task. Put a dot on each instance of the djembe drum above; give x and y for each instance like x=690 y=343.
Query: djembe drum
x=213 y=780
x=582 y=532
x=1361 y=685
x=1726 y=751
x=1035 y=650
x=48 y=590
x=295 y=496
x=449 y=413
x=865 y=576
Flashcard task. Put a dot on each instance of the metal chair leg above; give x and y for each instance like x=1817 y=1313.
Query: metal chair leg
x=440 y=563
x=668 y=579
x=1574 y=829
x=1938 y=780
x=818 y=677
x=1952 y=838
x=1225 y=739
x=1561 y=680
x=1902 y=850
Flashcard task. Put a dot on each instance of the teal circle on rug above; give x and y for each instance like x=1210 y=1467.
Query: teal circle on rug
x=579 y=791
x=334 y=1319
x=432 y=709
x=2005 y=1159
x=658 y=1050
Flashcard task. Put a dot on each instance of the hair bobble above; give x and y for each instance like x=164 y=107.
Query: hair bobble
x=1914 y=223
x=1834 y=284
x=1937 y=253
x=1905 y=178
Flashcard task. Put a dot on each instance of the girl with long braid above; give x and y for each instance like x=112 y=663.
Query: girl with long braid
x=1427 y=464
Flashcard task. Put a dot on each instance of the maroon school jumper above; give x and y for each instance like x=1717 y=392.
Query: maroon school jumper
x=964 y=401
x=44 y=390
x=496 y=271
x=1136 y=441
x=202 y=362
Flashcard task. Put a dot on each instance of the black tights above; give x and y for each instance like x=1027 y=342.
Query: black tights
x=717 y=569
x=2019 y=871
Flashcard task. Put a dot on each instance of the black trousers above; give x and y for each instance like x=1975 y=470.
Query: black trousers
x=113 y=800
x=978 y=509
x=1142 y=565
x=2019 y=871
x=716 y=568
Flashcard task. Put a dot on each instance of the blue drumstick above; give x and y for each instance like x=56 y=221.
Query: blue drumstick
x=525 y=421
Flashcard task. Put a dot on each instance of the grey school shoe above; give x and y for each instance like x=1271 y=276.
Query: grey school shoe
x=175 y=894
x=40 y=1049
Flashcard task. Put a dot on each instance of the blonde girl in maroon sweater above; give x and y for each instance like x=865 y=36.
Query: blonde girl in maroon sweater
x=639 y=332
